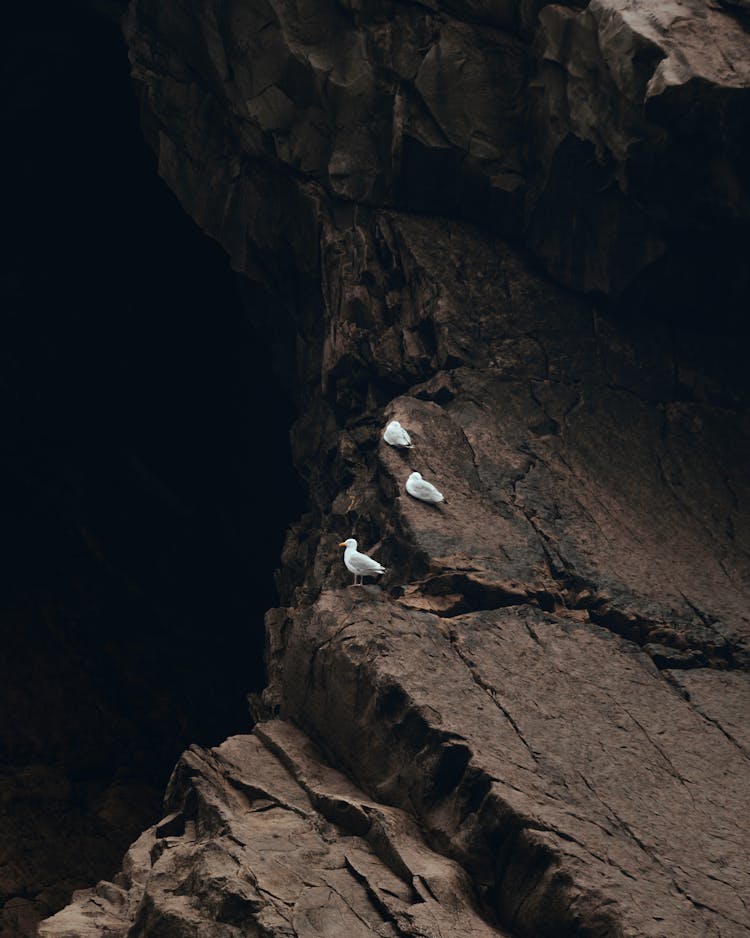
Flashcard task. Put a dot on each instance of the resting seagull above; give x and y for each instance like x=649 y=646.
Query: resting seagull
x=359 y=564
x=395 y=435
x=424 y=491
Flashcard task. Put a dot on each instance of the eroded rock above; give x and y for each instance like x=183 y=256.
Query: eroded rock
x=548 y=682
x=489 y=734
x=263 y=836
x=612 y=139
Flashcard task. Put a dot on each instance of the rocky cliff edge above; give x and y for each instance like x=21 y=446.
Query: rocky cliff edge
x=534 y=724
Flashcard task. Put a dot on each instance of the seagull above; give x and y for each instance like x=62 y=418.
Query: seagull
x=395 y=435
x=359 y=564
x=424 y=491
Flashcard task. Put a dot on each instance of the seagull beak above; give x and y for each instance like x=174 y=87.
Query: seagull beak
x=342 y=544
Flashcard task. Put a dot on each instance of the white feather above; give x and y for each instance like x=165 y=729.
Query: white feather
x=395 y=435
x=424 y=491
x=360 y=564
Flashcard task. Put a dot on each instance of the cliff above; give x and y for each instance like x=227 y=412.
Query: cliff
x=518 y=229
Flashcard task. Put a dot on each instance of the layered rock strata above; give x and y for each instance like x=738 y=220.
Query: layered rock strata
x=613 y=139
x=274 y=842
x=550 y=682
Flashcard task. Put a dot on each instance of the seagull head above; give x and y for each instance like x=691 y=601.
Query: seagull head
x=416 y=475
x=349 y=542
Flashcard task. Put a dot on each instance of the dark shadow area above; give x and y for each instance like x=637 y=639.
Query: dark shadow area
x=145 y=471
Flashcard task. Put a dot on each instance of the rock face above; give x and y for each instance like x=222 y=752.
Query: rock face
x=271 y=836
x=642 y=100
x=539 y=710
x=614 y=139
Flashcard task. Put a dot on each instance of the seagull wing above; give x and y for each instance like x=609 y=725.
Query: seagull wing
x=425 y=490
x=361 y=564
x=396 y=436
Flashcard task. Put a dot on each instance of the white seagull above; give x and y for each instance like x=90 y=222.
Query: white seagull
x=359 y=564
x=424 y=491
x=395 y=435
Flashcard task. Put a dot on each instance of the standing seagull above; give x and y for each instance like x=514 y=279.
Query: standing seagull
x=424 y=491
x=359 y=564
x=395 y=435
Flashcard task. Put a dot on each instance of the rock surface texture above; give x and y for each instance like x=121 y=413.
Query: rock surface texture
x=535 y=723
x=263 y=838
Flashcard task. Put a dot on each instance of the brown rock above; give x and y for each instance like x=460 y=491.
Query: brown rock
x=494 y=689
x=547 y=757
x=541 y=703
x=563 y=126
x=629 y=87
x=271 y=839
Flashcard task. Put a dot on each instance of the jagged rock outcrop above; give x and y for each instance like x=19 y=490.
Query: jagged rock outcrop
x=550 y=759
x=565 y=768
x=550 y=681
x=648 y=120
x=274 y=842
x=614 y=138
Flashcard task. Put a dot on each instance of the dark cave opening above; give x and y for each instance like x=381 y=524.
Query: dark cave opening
x=145 y=468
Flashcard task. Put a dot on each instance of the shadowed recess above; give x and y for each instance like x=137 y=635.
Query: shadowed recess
x=145 y=471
